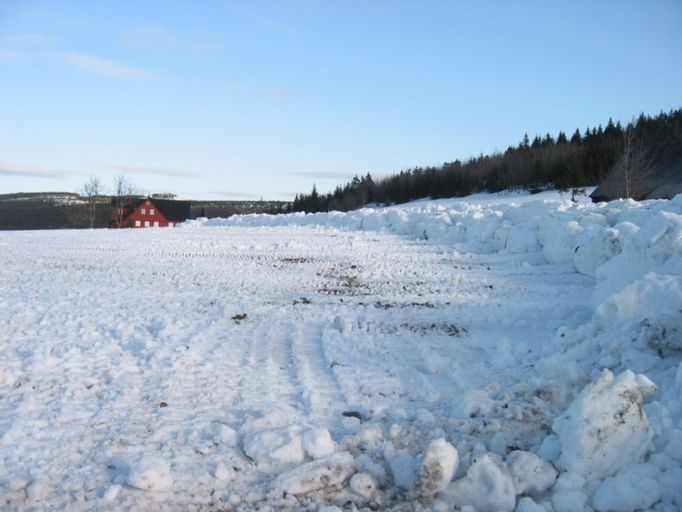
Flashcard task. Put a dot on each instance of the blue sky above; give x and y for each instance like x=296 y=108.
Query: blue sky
x=234 y=100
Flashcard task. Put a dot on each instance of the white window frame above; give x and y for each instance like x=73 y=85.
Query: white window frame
x=170 y=224
x=151 y=211
x=143 y=211
x=146 y=223
x=156 y=223
x=138 y=224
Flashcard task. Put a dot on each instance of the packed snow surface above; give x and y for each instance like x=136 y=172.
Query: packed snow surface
x=497 y=352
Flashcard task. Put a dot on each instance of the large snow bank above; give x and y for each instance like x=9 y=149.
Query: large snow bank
x=616 y=242
x=613 y=450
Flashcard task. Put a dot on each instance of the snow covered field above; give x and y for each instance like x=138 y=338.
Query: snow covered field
x=490 y=354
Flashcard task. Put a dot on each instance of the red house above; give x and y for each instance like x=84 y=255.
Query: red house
x=149 y=213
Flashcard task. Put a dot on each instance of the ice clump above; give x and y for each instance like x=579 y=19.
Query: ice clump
x=632 y=489
x=223 y=472
x=645 y=298
x=111 y=493
x=226 y=435
x=277 y=447
x=437 y=468
x=317 y=442
x=364 y=484
x=321 y=473
x=532 y=475
x=150 y=473
x=488 y=486
x=605 y=427
x=569 y=500
x=670 y=485
x=527 y=504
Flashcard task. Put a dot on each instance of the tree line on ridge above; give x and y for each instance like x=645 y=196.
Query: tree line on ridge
x=562 y=162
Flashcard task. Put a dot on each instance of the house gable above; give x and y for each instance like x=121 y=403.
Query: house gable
x=149 y=213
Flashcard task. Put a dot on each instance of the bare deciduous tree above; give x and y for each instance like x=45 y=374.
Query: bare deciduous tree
x=633 y=170
x=91 y=190
x=123 y=192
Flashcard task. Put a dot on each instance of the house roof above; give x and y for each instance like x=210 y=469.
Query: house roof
x=175 y=211
x=660 y=176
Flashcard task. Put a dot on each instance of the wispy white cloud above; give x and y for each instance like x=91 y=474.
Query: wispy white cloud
x=267 y=93
x=103 y=67
x=276 y=93
x=16 y=47
x=31 y=39
x=144 y=169
x=322 y=175
x=276 y=26
x=238 y=195
x=31 y=171
x=158 y=37
x=9 y=55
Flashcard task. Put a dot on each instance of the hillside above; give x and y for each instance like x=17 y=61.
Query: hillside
x=583 y=159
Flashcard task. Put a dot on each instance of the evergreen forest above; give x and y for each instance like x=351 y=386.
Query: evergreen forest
x=562 y=162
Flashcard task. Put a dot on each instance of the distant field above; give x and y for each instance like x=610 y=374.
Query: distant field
x=65 y=210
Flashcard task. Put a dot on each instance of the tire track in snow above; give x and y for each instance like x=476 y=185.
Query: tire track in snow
x=265 y=366
x=320 y=390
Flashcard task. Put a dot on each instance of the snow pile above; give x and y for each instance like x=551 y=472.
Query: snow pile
x=605 y=428
x=616 y=242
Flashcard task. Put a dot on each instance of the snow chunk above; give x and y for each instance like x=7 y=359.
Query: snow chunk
x=321 y=473
x=527 y=504
x=532 y=475
x=628 y=491
x=670 y=484
x=344 y=325
x=223 y=472
x=435 y=363
x=550 y=449
x=275 y=447
x=364 y=484
x=150 y=473
x=488 y=486
x=226 y=435
x=367 y=465
x=648 y=297
x=317 y=442
x=111 y=493
x=569 y=501
x=438 y=466
x=10 y=372
x=605 y=427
